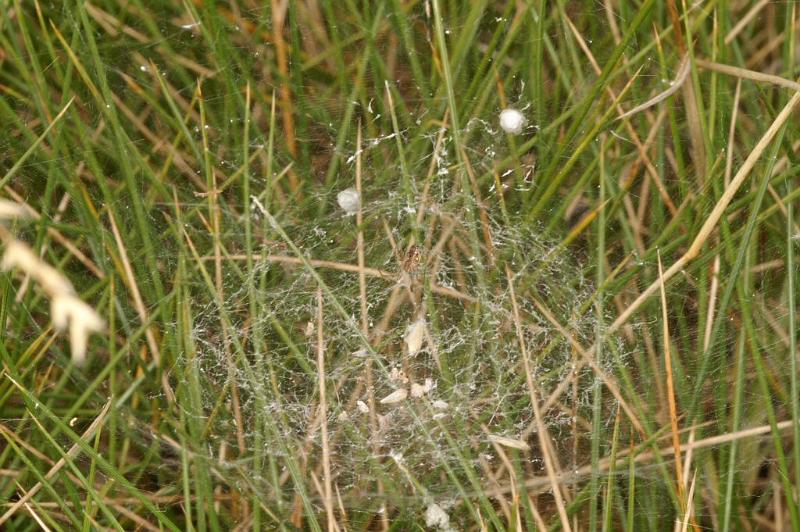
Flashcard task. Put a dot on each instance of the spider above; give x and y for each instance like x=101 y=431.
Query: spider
x=412 y=259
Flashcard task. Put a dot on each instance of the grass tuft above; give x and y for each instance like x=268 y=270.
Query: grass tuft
x=315 y=283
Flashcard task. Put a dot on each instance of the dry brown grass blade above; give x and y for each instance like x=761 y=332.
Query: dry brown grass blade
x=362 y=291
x=141 y=523
x=33 y=513
x=543 y=482
x=683 y=74
x=182 y=162
x=113 y=26
x=353 y=268
x=611 y=18
x=641 y=148
x=687 y=517
x=744 y=73
x=515 y=519
x=87 y=435
x=323 y=407
x=673 y=407
x=583 y=223
x=138 y=303
x=215 y=215
x=745 y=20
x=58 y=236
x=713 y=218
x=608 y=380
x=542 y=432
x=712 y=301
x=279 y=8
x=759 y=56
x=482 y=214
x=690 y=103
x=362 y=278
x=130 y=282
x=781 y=206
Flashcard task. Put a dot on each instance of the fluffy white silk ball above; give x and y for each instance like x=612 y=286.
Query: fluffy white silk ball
x=512 y=121
x=348 y=200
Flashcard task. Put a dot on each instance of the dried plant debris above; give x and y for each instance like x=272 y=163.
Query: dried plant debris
x=512 y=443
x=395 y=397
x=415 y=336
x=436 y=379
x=420 y=390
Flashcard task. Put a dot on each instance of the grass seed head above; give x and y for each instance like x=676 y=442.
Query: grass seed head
x=68 y=311
x=11 y=210
x=20 y=256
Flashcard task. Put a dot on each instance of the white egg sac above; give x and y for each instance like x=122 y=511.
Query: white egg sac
x=512 y=121
x=348 y=200
x=415 y=335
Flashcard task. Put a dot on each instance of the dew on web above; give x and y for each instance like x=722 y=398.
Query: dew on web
x=453 y=377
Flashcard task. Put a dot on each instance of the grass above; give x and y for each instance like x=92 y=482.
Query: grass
x=608 y=298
